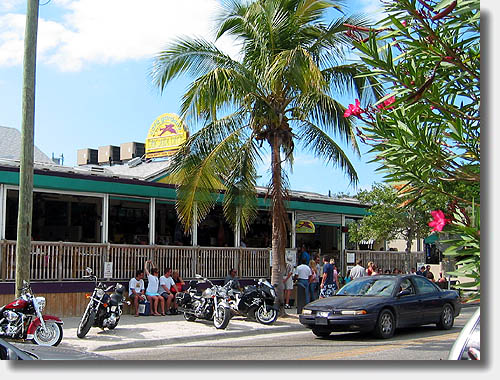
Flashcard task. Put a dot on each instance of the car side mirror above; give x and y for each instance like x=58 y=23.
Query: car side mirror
x=405 y=292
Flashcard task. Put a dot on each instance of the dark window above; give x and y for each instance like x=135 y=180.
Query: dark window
x=407 y=285
x=423 y=285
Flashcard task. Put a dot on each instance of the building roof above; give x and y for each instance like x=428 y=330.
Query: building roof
x=151 y=170
x=10 y=146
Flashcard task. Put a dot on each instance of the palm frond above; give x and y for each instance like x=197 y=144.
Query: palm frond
x=325 y=148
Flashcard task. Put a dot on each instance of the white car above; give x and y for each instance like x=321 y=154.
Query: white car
x=468 y=344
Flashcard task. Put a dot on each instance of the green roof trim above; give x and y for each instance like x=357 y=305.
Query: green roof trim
x=153 y=190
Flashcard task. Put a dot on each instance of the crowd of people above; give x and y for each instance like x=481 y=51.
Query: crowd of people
x=160 y=291
x=320 y=281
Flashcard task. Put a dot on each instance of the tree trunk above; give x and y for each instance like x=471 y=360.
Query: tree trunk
x=278 y=212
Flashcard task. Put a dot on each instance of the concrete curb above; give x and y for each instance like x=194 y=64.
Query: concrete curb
x=220 y=334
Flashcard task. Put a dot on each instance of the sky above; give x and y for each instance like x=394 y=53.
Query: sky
x=92 y=83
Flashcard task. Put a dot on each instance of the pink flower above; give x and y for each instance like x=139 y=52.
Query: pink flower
x=387 y=103
x=403 y=23
x=354 y=109
x=439 y=221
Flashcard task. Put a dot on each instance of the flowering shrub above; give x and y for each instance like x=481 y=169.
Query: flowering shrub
x=426 y=135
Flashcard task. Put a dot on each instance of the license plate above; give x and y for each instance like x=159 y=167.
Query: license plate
x=321 y=321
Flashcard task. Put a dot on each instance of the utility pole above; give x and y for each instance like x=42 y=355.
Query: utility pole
x=25 y=210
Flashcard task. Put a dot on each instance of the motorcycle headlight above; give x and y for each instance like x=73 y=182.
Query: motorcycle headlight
x=41 y=302
x=100 y=292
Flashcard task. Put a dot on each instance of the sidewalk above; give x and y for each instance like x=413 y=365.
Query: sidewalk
x=151 y=331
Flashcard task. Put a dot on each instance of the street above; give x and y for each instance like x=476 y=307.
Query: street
x=421 y=343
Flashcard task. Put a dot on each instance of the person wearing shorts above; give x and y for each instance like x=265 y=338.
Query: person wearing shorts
x=288 y=281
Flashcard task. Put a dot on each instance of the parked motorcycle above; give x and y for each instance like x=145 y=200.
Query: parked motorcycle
x=23 y=319
x=211 y=304
x=256 y=301
x=103 y=310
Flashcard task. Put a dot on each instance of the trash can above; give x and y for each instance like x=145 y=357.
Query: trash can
x=301 y=298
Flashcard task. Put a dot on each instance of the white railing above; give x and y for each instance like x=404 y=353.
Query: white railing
x=63 y=261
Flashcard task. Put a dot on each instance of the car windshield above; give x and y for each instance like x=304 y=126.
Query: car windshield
x=370 y=286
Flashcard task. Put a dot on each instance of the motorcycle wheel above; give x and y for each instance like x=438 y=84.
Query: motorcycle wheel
x=85 y=324
x=189 y=317
x=221 y=317
x=266 y=317
x=50 y=336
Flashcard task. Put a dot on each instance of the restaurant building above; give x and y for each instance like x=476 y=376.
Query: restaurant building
x=116 y=209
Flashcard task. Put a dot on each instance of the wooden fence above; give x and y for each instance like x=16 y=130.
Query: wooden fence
x=62 y=261
x=387 y=259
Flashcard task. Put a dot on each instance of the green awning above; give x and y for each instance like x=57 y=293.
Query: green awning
x=431 y=239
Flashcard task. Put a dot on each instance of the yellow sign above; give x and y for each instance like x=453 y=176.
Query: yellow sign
x=305 y=227
x=165 y=136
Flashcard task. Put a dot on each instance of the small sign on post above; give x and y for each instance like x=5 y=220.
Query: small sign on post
x=108 y=269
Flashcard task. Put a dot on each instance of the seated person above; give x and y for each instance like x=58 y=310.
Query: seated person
x=232 y=276
x=179 y=283
x=167 y=290
x=136 y=290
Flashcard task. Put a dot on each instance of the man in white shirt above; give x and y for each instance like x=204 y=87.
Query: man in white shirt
x=136 y=289
x=165 y=290
x=358 y=270
x=304 y=274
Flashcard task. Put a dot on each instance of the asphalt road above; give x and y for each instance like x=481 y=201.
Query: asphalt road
x=421 y=343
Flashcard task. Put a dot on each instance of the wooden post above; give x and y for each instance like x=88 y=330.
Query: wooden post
x=24 y=218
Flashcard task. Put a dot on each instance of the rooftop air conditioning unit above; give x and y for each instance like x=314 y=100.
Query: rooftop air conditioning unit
x=108 y=154
x=131 y=150
x=87 y=156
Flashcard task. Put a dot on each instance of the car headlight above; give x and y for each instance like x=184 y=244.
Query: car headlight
x=306 y=311
x=353 y=312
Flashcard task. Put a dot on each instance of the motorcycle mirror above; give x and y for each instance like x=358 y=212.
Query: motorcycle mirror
x=88 y=270
x=198 y=276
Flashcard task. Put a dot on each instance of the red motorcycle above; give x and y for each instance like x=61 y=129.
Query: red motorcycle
x=23 y=319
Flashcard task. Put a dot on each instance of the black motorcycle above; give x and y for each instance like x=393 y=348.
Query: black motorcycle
x=103 y=310
x=256 y=301
x=210 y=304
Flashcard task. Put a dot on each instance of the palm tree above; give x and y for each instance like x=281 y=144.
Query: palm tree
x=277 y=95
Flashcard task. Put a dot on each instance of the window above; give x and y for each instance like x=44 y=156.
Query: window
x=407 y=285
x=423 y=285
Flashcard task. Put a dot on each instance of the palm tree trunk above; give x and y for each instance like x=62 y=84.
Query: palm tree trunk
x=278 y=221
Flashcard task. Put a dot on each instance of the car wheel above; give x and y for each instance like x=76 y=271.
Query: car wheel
x=447 y=318
x=386 y=324
x=321 y=333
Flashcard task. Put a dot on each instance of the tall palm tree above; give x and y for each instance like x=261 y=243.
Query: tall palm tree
x=279 y=93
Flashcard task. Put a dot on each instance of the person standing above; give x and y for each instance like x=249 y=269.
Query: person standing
x=136 y=289
x=358 y=270
x=369 y=268
x=304 y=256
x=304 y=275
x=327 y=286
x=152 y=294
x=314 y=284
x=288 y=283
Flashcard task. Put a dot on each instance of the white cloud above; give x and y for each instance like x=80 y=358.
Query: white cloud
x=96 y=31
